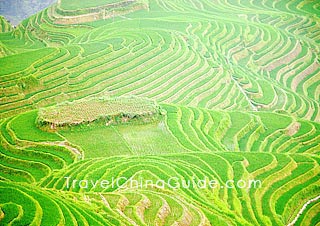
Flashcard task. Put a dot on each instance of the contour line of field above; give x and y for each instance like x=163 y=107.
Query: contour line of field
x=304 y=207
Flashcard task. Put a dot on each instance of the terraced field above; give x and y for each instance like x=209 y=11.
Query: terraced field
x=237 y=85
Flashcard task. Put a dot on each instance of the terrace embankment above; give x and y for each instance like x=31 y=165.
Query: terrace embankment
x=88 y=14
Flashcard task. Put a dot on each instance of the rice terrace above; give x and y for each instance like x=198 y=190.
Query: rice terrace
x=160 y=112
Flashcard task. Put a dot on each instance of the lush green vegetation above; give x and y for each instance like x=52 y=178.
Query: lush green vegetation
x=5 y=25
x=150 y=90
x=133 y=139
x=222 y=167
x=20 y=63
x=72 y=5
x=25 y=128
